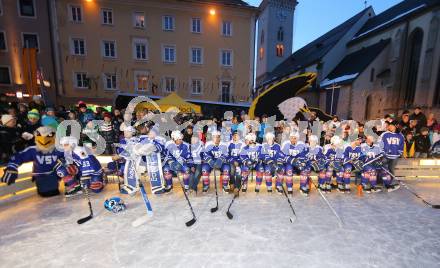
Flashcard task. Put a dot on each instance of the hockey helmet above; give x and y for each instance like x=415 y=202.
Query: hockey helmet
x=114 y=204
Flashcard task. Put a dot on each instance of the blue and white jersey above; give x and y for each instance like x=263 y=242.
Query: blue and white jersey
x=180 y=153
x=391 y=144
x=370 y=152
x=316 y=153
x=351 y=153
x=298 y=150
x=251 y=153
x=213 y=151
x=88 y=166
x=272 y=152
x=333 y=154
x=234 y=149
x=197 y=151
x=43 y=163
x=158 y=142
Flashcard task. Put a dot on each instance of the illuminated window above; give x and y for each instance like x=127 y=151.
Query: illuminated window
x=141 y=80
x=139 y=19
x=30 y=40
x=107 y=16
x=27 y=8
x=261 y=53
x=280 y=50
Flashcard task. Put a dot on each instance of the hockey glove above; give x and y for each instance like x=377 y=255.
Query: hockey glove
x=9 y=176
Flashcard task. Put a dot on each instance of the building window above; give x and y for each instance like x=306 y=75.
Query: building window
x=168 y=23
x=139 y=19
x=5 y=76
x=30 y=40
x=169 y=84
x=262 y=37
x=1 y=8
x=107 y=16
x=169 y=54
x=109 y=49
x=76 y=13
x=226 y=58
x=196 y=55
x=140 y=49
x=280 y=50
x=227 y=28
x=78 y=47
x=415 y=49
x=110 y=82
x=280 y=34
x=3 y=43
x=27 y=8
x=196 y=25
x=141 y=81
x=81 y=80
x=196 y=86
x=226 y=91
x=261 y=53
x=372 y=75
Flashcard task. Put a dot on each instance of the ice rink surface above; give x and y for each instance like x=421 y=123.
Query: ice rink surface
x=380 y=230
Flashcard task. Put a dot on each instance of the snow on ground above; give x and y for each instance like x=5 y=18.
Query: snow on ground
x=380 y=230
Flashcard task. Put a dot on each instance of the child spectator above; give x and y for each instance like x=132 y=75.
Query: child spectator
x=10 y=138
x=423 y=144
x=32 y=123
x=409 y=146
x=108 y=132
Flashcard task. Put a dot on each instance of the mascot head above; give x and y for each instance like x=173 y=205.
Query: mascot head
x=45 y=139
x=290 y=107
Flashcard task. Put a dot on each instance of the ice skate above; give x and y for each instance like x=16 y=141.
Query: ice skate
x=74 y=191
x=392 y=188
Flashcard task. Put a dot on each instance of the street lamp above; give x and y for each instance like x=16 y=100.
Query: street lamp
x=212 y=12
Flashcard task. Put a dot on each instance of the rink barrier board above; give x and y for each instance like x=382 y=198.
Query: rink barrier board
x=24 y=187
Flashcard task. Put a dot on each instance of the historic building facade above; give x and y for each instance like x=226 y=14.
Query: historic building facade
x=201 y=50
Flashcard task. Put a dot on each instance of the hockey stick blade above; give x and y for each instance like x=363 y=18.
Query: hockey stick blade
x=191 y=222
x=229 y=214
x=85 y=219
x=214 y=209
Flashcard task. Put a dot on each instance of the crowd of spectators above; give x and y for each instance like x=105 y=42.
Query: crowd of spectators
x=19 y=121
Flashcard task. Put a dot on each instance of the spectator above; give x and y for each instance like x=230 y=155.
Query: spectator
x=409 y=146
x=326 y=139
x=423 y=144
x=361 y=132
x=436 y=134
x=262 y=128
x=85 y=115
x=404 y=122
x=187 y=134
x=435 y=150
x=3 y=104
x=420 y=117
x=61 y=112
x=99 y=113
x=37 y=103
x=32 y=123
x=107 y=131
x=117 y=119
x=10 y=138
x=412 y=127
x=234 y=126
x=22 y=114
x=49 y=119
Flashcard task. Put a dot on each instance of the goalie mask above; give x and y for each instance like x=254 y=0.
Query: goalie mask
x=313 y=140
x=45 y=139
x=270 y=137
x=251 y=137
x=69 y=143
x=176 y=135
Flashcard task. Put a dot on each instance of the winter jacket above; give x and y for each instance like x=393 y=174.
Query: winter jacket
x=408 y=149
x=423 y=144
x=10 y=142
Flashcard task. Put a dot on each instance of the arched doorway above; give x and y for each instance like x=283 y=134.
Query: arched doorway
x=415 y=48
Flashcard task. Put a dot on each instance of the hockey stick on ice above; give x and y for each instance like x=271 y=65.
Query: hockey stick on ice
x=214 y=209
x=328 y=204
x=86 y=193
x=290 y=204
x=193 y=220
x=228 y=212
x=411 y=191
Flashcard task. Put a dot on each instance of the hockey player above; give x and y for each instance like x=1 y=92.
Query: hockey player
x=352 y=162
x=317 y=161
x=273 y=161
x=334 y=154
x=370 y=152
x=178 y=159
x=215 y=157
x=391 y=144
x=47 y=163
x=251 y=159
x=71 y=182
x=234 y=149
x=296 y=159
x=197 y=151
x=89 y=168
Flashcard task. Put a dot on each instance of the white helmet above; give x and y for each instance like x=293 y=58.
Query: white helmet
x=294 y=134
x=176 y=135
x=313 y=138
x=69 y=140
x=251 y=137
x=269 y=136
x=336 y=140
x=216 y=133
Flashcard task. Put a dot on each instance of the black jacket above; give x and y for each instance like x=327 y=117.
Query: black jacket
x=423 y=144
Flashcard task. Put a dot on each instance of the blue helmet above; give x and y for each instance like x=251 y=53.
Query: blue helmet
x=114 y=204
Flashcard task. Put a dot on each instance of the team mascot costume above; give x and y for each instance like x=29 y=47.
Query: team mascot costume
x=47 y=163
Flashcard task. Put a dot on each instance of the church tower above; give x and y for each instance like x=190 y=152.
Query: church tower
x=275 y=34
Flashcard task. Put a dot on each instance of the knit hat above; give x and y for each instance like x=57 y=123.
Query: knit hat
x=33 y=114
x=82 y=104
x=6 y=118
x=107 y=114
x=50 y=109
x=49 y=121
